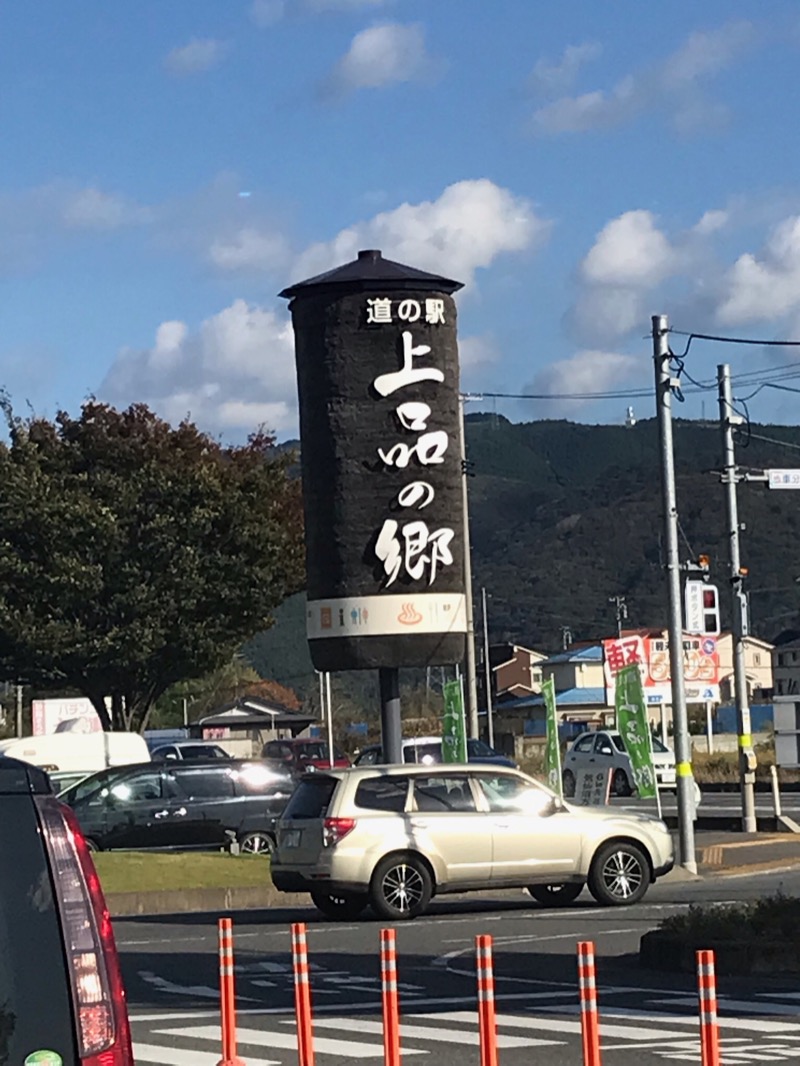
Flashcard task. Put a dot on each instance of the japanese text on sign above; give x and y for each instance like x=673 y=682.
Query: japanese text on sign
x=411 y=549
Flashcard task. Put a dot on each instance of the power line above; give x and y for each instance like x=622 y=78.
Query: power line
x=735 y=340
x=772 y=440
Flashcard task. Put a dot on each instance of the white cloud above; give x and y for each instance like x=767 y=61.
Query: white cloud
x=470 y=224
x=197 y=56
x=477 y=351
x=93 y=209
x=674 y=85
x=386 y=54
x=267 y=12
x=630 y=251
x=712 y=222
x=249 y=249
x=233 y=374
x=766 y=286
x=590 y=371
x=547 y=78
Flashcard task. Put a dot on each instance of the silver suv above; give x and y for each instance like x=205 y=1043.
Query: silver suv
x=394 y=836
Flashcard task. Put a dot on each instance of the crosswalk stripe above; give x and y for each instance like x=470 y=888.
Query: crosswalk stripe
x=173 y=1056
x=558 y=1025
x=424 y=1032
x=276 y=1040
x=765 y=1025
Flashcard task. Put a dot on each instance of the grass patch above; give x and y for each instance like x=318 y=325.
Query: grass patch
x=774 y=918
x=139 y=871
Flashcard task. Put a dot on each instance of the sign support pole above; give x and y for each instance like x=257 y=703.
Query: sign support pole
x=683 y=764
x=747 y=759
x=391 y=723
x=471 y=687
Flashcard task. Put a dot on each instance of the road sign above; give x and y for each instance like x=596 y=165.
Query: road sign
x=784 y=479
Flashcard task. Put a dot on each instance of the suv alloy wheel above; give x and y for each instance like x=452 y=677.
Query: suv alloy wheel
x=401 y=887
x=620 y=874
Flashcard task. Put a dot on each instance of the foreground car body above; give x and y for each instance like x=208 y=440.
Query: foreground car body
x=60 y=985
x=605 y=749
x=394 y=836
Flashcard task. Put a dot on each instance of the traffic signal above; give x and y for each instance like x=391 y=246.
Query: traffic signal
x=701 y=602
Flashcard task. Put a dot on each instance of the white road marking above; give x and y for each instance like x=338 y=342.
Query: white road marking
x=272 y=1039
x=765 y=1025
x=173 y=1056
x=746 y=1006
x=553 y=1025
x=424 y=1032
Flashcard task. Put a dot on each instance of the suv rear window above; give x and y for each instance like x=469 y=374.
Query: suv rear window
x=35 y=1006
x=311 y=798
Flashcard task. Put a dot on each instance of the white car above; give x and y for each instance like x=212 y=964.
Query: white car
x=606 y=748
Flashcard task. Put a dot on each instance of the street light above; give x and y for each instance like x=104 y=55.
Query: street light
x=487 y=668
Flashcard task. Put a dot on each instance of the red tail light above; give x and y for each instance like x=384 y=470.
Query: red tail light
x=335 y=829
x=104 y=1037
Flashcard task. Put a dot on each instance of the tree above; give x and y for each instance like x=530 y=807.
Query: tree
x=134 y=555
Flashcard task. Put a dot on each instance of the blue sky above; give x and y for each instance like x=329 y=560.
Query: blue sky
x=167 y=168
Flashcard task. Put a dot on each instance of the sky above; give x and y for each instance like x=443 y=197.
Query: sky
x=167 y=168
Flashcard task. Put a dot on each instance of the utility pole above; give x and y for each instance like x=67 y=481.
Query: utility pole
x=747 y=759
x=621 y=608
x=19 y=710
x=471 y=679
x=566 y=637
x=487 y=673
x=683 y=755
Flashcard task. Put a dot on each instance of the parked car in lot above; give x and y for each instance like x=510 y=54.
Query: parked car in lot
x=203 y=804
x=428 y=750
x=392 y=837
x=303 y=753
x=606 y=748
x=60 y=985
x=187 y=749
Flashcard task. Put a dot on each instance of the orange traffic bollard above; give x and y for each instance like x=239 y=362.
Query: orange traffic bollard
x=227 y=991
x=707 y=993
x=487 y=1025
x=302 y=995
x=391 y=1008
x=587 y=983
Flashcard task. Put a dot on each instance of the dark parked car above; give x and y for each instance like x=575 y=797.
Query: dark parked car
x=187 y=749
x=304 y=753
x=429 y=750
x=60 y=986
x=193 y=805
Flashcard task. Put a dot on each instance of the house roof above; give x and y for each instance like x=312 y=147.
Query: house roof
x=592 y=696
x=371 y=272
x=254 y=711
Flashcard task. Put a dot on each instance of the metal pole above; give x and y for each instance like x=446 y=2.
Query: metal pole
x=185 y=712
x=391 y=725
x=19 y=710
x=747 y=757
x=683 y=764
x=329 y=716
x=471 y=687
x=487 y=673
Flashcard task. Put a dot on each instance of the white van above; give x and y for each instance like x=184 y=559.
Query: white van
x=77 y=752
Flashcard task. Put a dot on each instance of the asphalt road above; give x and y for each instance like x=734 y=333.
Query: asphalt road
x=170 y=967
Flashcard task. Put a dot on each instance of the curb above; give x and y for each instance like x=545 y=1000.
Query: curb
x=202 y=900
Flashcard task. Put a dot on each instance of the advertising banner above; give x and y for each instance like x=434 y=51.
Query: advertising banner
x=552 y=752
x=632 y=724
x=454 y=731
x=68 y=715
x=701 y=666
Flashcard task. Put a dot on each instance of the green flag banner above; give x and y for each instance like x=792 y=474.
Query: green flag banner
x=632 y=724
x=454 y=731
x=552 y=751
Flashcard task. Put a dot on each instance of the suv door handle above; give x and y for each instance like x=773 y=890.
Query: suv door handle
x=181 y=812
x=160 y=814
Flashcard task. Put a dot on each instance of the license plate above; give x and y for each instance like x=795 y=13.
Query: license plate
x=291 y=838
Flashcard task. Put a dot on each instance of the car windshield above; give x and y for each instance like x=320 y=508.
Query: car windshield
x=316 y=749
x=90 y=785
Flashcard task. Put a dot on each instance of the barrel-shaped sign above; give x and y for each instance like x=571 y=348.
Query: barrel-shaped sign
x=378 y=385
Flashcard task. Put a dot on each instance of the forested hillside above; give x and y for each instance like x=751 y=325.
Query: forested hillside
x=564 y=516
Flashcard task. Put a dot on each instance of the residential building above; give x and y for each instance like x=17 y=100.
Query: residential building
x=516 y=671
x=786 y=668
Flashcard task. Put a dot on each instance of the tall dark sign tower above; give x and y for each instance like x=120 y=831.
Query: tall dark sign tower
x=377 y=373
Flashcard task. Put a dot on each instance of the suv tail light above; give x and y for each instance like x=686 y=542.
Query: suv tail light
x=104 y=1037
x=335 y=829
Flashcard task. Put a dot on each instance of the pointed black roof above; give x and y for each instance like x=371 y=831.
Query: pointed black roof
x=372 y=273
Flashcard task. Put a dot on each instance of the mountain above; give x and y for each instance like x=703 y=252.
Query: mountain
x=564 y=516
